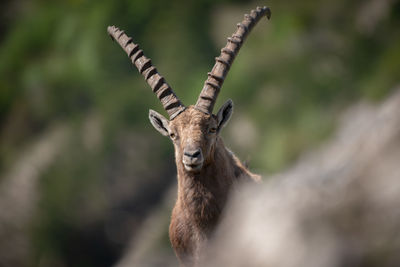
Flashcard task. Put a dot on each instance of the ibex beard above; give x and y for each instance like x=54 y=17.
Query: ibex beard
x=207 y=170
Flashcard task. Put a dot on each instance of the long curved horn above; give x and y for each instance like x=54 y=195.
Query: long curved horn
x=168 y=99
x=216 y=77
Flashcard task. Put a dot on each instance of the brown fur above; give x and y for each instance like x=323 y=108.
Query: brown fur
x=201 y=195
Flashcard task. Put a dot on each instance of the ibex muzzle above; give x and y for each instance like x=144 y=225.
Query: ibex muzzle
x=206 y=168
x=192 y=158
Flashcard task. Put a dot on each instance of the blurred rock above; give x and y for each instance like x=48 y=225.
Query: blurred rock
x=339 y=206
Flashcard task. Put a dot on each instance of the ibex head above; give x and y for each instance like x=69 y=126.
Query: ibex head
x=193 y=133
x=193 y=130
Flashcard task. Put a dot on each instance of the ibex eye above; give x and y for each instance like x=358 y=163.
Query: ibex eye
x=213 y=130
x=172 y=135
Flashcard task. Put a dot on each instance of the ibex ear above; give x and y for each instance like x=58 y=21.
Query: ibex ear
x=224 y=114
x=159 y=122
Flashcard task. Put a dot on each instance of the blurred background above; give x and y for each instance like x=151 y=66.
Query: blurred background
x=84 y=177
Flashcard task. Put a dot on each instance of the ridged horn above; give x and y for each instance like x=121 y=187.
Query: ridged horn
x=164 y=92
x=216 y=77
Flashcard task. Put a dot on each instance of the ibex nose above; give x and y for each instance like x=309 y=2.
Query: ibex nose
x=192 y=159
x=192 y=153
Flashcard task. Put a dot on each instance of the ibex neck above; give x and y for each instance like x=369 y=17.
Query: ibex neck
x=203 y=195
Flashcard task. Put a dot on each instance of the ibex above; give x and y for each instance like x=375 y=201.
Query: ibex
x=207 y=170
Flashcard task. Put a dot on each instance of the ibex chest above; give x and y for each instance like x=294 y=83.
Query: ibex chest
x=202 y=204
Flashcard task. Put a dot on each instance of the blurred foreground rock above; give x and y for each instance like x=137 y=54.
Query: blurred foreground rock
x=339 y=206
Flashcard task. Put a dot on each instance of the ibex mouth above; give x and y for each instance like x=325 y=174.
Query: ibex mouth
x=193 y=167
